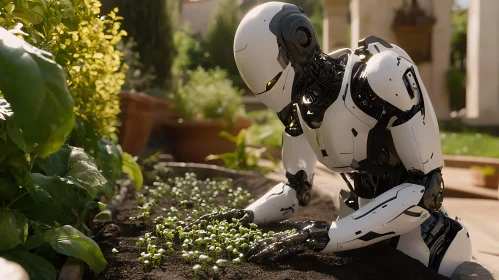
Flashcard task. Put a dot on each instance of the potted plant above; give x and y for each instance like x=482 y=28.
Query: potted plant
x=142 y=109
x=413 y=29
x=485 y=176
x=244 y=157
x=207 y=104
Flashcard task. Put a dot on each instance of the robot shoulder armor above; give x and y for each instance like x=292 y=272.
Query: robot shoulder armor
x=394 y=79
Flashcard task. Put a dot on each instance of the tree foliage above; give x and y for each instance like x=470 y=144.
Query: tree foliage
x=152 y=25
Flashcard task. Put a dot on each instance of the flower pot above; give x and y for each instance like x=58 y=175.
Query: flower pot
x=193 y=140
x=485 y=181
x=415 y=40
x=137 y=119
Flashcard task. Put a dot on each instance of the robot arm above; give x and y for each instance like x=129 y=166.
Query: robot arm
x=299 y=161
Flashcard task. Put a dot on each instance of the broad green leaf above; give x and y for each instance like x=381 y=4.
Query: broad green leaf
x=8 y=188
x=66 y=191
x=33 y=241
x=56 y=164
x=108 y=158
x=103 y=216
x=38 y=268
x=14 y=228
x=35 y=86
x=82 y=168
x=40 y=206
x=132 y=169
x=33 y=12
x=17 y=136
x=71 y=242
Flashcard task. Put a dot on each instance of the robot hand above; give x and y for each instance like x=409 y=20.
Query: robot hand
x=243 y=216
x=310 y=235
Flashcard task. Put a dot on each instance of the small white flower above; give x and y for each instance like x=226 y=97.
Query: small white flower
x=196 y=267
x=114 y=251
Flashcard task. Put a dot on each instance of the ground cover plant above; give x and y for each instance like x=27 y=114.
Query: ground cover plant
x=206 y=246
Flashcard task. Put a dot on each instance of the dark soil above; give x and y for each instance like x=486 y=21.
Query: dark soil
x=376 y=262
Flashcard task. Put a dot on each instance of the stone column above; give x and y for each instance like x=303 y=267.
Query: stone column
x=441 y=48
x=482 y=61
x=335 y=25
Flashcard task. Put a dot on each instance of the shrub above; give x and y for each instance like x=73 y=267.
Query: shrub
x=456 y=83
x=84 y=45
x=152 y=24
x=220 y=37
x=48 y=189
x=137 y=77
x=485 y=170
x=208 y=95
x=191 y=54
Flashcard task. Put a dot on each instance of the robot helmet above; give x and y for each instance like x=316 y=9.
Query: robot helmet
x=273 y=42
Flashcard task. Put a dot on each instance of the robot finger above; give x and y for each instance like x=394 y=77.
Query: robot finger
x=265 y=250
x=290 y=251
x=298 y=225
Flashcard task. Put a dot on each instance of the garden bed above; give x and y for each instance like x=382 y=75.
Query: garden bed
x=377 y=262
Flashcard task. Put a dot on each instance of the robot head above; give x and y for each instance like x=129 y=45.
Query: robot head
x=273 y=42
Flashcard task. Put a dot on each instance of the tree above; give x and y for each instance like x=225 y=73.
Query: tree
x=152 y=25
x=459 y=37
x=220 y=37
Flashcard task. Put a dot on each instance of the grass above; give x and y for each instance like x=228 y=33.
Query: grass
x=469 y=143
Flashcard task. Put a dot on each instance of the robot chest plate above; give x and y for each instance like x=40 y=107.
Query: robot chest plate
x=341 y=140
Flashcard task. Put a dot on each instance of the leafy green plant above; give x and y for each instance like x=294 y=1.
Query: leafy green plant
x=456 y=83
x=48 y=189
x=84 y=45
x=243 y=157
x=208 y=95
x=41 y=190
x=485 y=170
x=190 y=55
x=138 y=79
x=266 y=129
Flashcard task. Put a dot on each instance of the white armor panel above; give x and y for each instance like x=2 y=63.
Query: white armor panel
x=276 y=205
x=255 y=53
x=298 y=155
x=385 y=73
x=413 y=245
x=458 y=252
x=380 y=219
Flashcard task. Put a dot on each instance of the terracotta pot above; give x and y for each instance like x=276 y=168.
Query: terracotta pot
x=193 y=140
x=162 y=112
x=415 y=40
x=137 y=120
x=480 y=180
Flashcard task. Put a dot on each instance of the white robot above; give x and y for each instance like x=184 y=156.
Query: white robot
x=364 y=113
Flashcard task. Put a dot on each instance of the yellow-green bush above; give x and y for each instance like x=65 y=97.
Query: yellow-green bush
x=81 y=42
